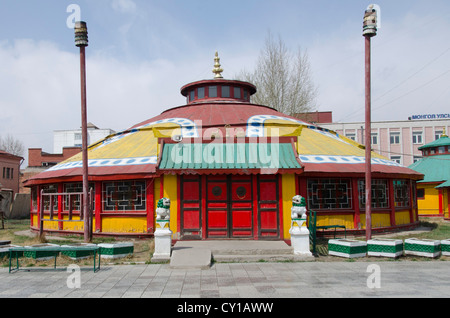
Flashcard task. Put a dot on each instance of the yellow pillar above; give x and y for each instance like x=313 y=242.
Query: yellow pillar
x=170 y=191
x=287 y=193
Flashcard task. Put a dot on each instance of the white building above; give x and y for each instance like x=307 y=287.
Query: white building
x=397 y=140
x=72 y=138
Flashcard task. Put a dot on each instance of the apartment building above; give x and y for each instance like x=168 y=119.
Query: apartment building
x=397 y=140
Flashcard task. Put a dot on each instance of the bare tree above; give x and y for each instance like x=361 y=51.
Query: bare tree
x=283 y=79
x=12 y=145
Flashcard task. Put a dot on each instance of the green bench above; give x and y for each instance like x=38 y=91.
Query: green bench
x=312 y=227
x=52 y=251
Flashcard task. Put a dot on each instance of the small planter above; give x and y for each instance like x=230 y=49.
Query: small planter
x=445 y=247
x=41 y=252
x=4 y=251
x=422 y=247
x=75 y=253
x=116 y=250
x=347 y=248
x=385 y=248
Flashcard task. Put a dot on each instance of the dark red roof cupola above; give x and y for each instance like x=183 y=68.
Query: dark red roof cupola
x=218 y=89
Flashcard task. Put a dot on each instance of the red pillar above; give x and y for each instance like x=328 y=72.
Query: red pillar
x=368 y=130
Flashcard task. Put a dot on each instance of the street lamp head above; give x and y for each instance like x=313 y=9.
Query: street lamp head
x=81 y=34
x=370 y=21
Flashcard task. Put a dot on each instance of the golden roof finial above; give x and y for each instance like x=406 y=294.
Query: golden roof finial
x=217 y=70
x=443 y=133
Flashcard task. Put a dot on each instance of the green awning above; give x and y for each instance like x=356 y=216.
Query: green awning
x=228 y=156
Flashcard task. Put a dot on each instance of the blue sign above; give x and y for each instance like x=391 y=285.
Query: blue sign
x=430 y=116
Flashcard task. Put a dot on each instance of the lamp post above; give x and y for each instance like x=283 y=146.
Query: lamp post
x=369 y=30
x=81 y=41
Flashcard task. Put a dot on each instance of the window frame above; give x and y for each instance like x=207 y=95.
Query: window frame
x=116 y=197
x=394 y=137
x=325 y=184
x=416 y=135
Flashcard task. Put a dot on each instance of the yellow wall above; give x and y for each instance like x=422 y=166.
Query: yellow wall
x=445 y=203
x=430 y=203
x=124 y=224
x=336 y=219
x=170 y=191
x=287 y=193
x=380 y=220
x=402 y=217
x=67 y=226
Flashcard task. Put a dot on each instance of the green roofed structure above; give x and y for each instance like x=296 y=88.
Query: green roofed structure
x=433 y=192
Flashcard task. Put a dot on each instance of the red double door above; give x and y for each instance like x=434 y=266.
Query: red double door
x=229 y=206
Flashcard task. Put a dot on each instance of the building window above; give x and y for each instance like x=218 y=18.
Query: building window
x=380 y=193
x=201 y=92
x=50 y=188
x=76 y=199
x=374 y=137
x=8 y=173
x=212 y=91
x=237 y=92
x=395 y=137
x=397 y=159
x=191 y=95
x=420 y=194
x=416 y=158
x=34 y=195
x=401 y=193
x=77 y=136
x=417 y=137
x=438 y=134
x=441 y=149
x=225 y=91
x=350 y=136
x=329 y=193
x=245 y=95
x=124 y=196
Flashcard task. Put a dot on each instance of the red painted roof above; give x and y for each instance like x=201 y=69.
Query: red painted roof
x=216 y=113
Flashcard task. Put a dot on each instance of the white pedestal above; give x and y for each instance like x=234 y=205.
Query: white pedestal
x=163 y=242
x=300 y=238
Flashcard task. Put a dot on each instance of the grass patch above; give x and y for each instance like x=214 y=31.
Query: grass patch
x=143 y=248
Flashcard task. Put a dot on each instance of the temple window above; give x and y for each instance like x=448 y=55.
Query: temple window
x=329 y=193
x=201 y=92
x=380 y=193
x=124 y=196
x=401 y=193
x=225 y=91
x=212 y=91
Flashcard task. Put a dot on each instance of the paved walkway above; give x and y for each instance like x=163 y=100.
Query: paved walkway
x=236 y=280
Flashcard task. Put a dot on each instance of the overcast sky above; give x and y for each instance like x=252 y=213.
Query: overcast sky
x=141 y=52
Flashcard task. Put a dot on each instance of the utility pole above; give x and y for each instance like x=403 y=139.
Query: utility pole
x=369 y=30
x=81 y=40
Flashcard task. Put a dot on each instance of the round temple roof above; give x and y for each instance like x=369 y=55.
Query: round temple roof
x=217 y=110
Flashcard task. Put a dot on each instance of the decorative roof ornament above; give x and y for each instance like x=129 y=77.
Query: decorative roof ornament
x=444 y=134
x=217 y=70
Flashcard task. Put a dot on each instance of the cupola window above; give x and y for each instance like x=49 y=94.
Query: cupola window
x=225 y=91
x=212 y=91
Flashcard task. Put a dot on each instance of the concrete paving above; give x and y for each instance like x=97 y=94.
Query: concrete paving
x=240 y=269
x=348 y=279
x=198 y=254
